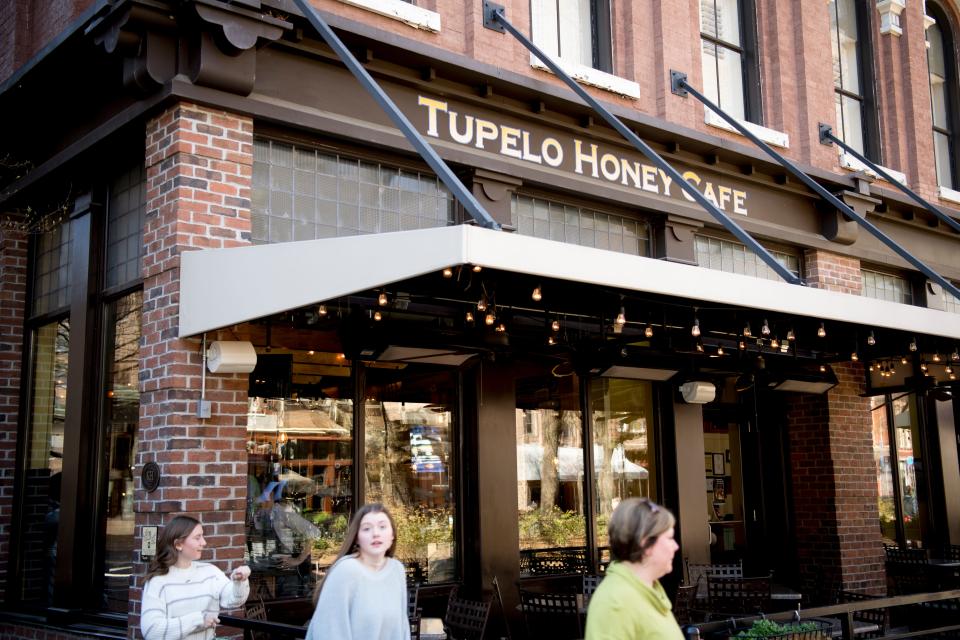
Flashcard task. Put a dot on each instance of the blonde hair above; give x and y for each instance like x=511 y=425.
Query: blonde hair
x=634 y=527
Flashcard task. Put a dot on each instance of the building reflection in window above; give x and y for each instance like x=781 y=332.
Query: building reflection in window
x=896 y=453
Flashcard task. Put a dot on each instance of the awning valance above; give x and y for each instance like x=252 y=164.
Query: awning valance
x=223 y=287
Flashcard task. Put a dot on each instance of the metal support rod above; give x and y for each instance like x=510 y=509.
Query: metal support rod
x=826 y=137
x=494 y=15
x=460 y=192
x=679 y=82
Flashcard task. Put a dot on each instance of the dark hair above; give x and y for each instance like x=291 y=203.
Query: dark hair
x=176 y=530
x=634 y=527
x=350 y=545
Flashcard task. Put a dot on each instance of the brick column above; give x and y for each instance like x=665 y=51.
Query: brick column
x=833 y=471
x=13 y=285
x=199 y=170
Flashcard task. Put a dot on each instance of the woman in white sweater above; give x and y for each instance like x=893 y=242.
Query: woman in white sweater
x=182 y=597
x=364 y=594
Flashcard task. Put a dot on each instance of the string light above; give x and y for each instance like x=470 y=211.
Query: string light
x=774 y=343
x=482 y=303
x=791 y=336
x=746 y=331
x=477 y=268
x=322 y=310
x=854 y=356
x=377 y=316
x=871 y=340
x=555 y=326
x=913 y=345
x=648 y=331
x=448 y=272
x=765 y=329
x=936 y=357
x=720 y=351
x=621 y=318
x=382 y=299
x=904 y=360
x=742 y=345
x=537 y=294
x=490 y=319
x=501 y=328
x=822 y=331
x=823 y=368
x=551 y=340
x=695 y=329
x=469 y=317
x=955 y=355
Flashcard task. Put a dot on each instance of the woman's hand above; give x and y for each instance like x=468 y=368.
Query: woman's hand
x=210 y=621
x=240 y=573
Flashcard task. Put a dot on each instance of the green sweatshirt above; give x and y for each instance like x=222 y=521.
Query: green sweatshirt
x=623 y=608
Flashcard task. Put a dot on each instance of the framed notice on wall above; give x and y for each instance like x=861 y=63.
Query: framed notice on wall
x=719 y=467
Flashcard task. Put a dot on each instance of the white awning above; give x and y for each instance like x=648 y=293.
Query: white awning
x=223 y=287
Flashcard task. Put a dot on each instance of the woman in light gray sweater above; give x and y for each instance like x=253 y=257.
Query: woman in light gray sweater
x=364 y=594
x=182 y=597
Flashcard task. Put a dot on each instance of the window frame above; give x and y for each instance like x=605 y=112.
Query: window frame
x=748 y=49
x=601 y=34
x=867 y=98
x=948 y=33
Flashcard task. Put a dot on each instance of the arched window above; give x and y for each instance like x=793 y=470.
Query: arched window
x=941 y=62
x=852 y=70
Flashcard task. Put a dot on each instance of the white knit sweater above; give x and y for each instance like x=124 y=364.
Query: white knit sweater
x=174 y=603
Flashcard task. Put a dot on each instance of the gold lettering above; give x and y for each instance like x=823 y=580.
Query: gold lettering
x=630 y=170
x=710 y=195
x=667 y=181
x=580 y=157
x=530 y=157
x=433 y=106
x=508 y=141
x=739 y=202
x=552 y=152
x=486 y=130
x=725 y=193
x=650 y=179
x=610 y=167
x=693 y=179
x=467 y=135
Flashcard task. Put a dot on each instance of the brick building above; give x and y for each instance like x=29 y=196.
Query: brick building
x=183 y=183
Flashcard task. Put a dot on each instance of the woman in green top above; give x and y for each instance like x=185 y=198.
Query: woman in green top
x=630 y=604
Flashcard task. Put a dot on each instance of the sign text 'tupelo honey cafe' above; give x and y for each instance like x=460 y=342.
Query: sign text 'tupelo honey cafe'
x=581 y=156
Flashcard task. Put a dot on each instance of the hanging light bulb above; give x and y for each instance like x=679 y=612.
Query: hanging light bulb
x=765 y=329
x=923 y=367
x=469 y=317
x=720 y=351
x=953 y=376
x=774 y=343
x=621 y=318
x=872 y=367
x=822 y=331
x=746 y=331
x=695 y=329
x=482 y=303
x=501 y=328
x=322 y=310
x=823 y=368
x=382 y=299
x=648 y=332
x=377 y=316
x=913 y=345
x=490 y=319
x=854 y=356
x=742 y=345
x=791 y=336
x=871 y=340
x=310 y=352
x=699 y=346
x=555 y=326
x=955 y=355
x=551 y=340
x=948 y=369
x=537 y=294
x=477 y=268
x=448 y=272
x=936 y=357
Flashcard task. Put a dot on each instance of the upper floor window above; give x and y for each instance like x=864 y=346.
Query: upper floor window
x=885 y=286
x=577 y=225
x=728 y=54
x=734 y=257
x=575 y=31
x=849 y=39
x=943 y=96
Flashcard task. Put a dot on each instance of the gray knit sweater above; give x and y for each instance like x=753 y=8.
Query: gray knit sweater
x=358 y=603
x=174 y=603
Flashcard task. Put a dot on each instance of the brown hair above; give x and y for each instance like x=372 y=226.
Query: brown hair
x=175 y=531
x=350 y=545
x=634 y=527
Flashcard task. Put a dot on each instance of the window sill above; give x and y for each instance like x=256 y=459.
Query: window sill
x=593 y=77
x=770 y=136
x=847 y=161
x=403 y=11
x=950 y=195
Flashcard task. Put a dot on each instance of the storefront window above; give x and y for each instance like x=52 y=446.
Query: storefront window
x=121 y=416
x=724 y=488
x=40 y=516
x=550 y=477
x=896 y=453
x=408 y=464
x=622 y=414
x=300 y=478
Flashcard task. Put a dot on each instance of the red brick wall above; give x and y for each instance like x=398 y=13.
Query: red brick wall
x=833 y=471
x=13 y=283
x=24 y=632
x=199 y=170
x=27 y=27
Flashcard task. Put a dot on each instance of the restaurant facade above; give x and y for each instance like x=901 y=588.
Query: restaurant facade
x=234 y=288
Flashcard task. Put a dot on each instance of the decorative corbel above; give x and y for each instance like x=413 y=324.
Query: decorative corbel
x=890 y=11
x=495 y=192
x=675 y=238
x=835 y=226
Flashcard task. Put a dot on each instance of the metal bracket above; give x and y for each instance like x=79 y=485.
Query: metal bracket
x=678 y=83
x=825 y=131
x=490 y=20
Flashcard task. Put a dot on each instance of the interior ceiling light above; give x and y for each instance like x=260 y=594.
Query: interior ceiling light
x=537 y=294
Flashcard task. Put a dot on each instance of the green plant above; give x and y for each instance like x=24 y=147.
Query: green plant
x=771 y=629
x=551 y=527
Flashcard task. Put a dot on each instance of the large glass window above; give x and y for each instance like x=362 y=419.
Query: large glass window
x=850 y=53
x=304 y=194
x=300 y=471
x=576 y=31
x=943 y=77
x=734 y=257
x=43 y=463
x=550 y=475
x=121 y=416
x=51 y=279
x=408 y=427
x=897 y=454
x=727 y=57
x=578 y=225
x=623 y=448
x=885 y=286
